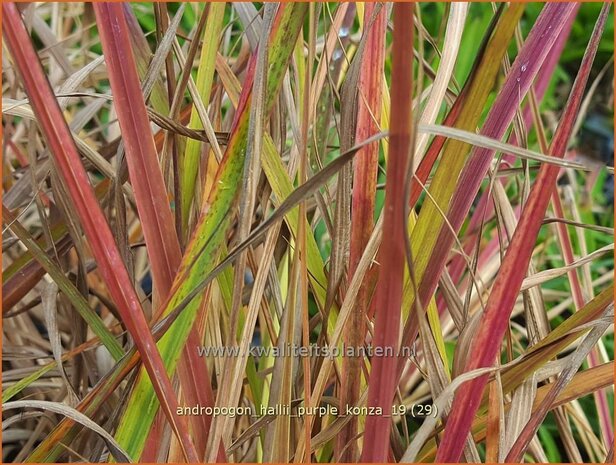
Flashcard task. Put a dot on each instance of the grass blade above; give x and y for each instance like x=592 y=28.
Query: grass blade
x=523 y=439
x=95 y=225
x=239 y=153
x=365 y=168
x=509 y=280
x=144 y=170
x=205 y=77
x=65 y=285
x=115 y=449
x=426 y=246
x=202 y=251
x=150 y=192
x=383 y=375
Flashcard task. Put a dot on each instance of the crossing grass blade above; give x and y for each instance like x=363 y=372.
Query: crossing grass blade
x=205 y=77
x=366 y=167
x=145 y=173
x=95 y=225
x=67 y=287
x=430 y=219
x=240 y=155
x=202 y=251
x=381 y=386
x=506 y=287
x=150 y=191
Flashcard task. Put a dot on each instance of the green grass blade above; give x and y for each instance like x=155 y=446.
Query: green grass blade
x=203 y=249
x=205 y=77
